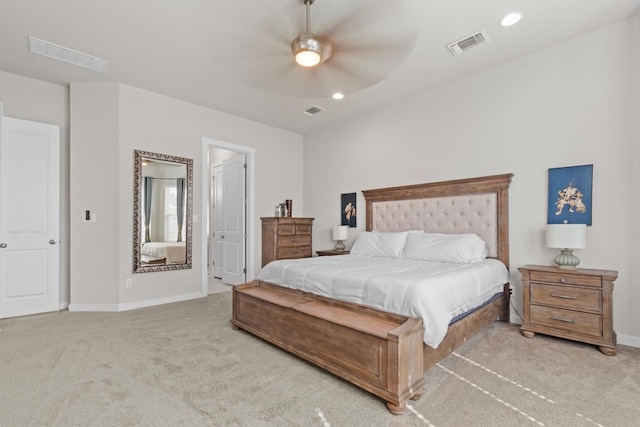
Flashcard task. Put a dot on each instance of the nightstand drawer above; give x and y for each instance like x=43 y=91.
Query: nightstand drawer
x=294 y=252
x=294 y=240
x=568 y=320
x=565 y=279
x=566 y=297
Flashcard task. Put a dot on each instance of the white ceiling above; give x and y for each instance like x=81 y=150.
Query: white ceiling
x=233 y=55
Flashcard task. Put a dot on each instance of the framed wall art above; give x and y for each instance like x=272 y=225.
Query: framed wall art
x=570 y=195
x=348 y=209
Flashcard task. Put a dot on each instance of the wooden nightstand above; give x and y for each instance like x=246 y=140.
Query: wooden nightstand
x=331 y=252
x=572 y=304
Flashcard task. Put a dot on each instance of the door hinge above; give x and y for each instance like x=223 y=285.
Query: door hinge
x=244 y=166
x=244 y=270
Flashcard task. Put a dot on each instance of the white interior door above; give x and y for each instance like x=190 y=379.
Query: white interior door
x=29 y=217
x=218 y=221
x=234 y=207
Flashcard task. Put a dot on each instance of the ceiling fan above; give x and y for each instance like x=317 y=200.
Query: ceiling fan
x=308 y=49
x=354 y=45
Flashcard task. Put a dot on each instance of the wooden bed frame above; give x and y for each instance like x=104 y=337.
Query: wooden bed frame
x=381 y=352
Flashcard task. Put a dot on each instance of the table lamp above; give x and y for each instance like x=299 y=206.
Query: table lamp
x=567 y=237
x=340 y=234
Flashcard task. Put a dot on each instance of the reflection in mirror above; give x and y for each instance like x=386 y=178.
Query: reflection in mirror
x=162 y=225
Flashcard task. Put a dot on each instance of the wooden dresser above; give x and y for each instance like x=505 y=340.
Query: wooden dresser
x=572 y=304
x=285 y=237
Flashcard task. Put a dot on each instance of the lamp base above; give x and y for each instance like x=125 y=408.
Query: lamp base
x=567 y=260
x=339 y=245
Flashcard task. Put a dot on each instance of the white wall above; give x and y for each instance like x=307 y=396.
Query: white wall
x=30 y=99
x=572 y=104
x=152 y=122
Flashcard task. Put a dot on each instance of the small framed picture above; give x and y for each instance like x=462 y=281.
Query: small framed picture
x=570 y=195
x=348 y=209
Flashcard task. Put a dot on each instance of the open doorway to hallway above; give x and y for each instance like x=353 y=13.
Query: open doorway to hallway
x=227 y=195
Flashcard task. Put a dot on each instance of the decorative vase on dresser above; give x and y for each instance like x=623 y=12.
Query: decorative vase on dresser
x=572 y=304
x=285 y=237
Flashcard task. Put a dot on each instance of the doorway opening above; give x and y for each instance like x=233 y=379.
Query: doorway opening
x=241 y=232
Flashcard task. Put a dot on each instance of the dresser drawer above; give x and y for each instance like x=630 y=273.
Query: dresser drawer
x=294 y=252
x=295 y=240
x=566 y=297
x=303 y=229
x=565 y=279
x=288 y=229
x=567 y=320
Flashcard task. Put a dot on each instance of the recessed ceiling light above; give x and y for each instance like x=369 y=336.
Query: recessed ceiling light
x=511 y=19
x=338 y=95
x=64 y=54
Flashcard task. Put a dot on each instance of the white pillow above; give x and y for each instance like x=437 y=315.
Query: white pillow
x=458 y=248
x=375 y=243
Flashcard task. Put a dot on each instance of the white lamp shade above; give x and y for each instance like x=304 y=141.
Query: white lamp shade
x=567 y=236
x=340 y=232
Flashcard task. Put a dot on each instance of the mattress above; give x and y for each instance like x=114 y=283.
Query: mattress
x=434 y=291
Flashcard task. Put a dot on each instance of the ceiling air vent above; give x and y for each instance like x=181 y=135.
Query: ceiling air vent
x=468 y=42
x=312 y=111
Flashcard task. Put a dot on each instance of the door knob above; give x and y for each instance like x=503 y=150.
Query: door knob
x=3 y=245
x=52 y=242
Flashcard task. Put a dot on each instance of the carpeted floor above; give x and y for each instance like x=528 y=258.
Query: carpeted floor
x=182 y=364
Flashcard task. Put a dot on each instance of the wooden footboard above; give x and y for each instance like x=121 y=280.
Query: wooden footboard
x=377 y=351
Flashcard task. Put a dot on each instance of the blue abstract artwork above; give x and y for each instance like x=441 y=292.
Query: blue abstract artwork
x=570 y=195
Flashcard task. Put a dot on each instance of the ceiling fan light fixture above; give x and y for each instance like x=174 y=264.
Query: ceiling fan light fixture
x=307 y=50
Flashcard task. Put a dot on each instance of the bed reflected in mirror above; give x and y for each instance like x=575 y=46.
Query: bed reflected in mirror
x=162 y=226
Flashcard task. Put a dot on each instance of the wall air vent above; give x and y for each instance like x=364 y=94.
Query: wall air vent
x=468 y=42
x=312 y=111
x=64 y=54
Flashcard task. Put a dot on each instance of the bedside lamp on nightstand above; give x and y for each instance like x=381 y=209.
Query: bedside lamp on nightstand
x=567 y=237
x=340 y=234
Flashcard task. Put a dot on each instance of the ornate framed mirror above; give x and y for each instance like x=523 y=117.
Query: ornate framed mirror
x=162 y=212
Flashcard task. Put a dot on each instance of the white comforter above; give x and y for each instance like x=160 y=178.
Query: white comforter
x=436 y=292
x=173 y=252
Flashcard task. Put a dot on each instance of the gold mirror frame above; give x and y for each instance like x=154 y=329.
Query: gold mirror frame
x=138 y=266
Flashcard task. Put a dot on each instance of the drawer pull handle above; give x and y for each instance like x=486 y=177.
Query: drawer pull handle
x=562 y=319
x=564 y=296
x=563 y=280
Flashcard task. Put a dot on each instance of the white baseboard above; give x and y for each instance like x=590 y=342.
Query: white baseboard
x=137 y=304
x=93 y=307
x=629 y=340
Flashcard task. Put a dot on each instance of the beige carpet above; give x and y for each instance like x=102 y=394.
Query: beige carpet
x=182 y=364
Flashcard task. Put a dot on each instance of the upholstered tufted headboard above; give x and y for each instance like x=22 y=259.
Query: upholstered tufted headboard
x=473 y=205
